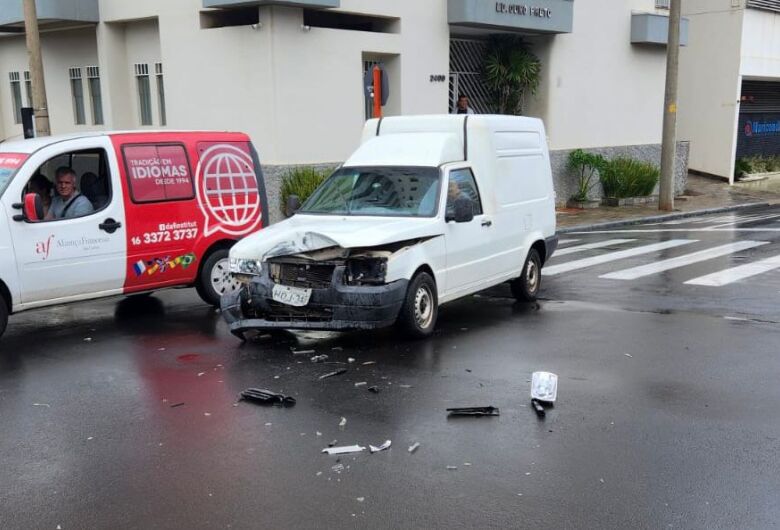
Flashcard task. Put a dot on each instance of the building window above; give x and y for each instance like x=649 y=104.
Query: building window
x=28 y=88
x=158 y=71
x=77 y=92
x=95 y=96
x=144 y=93
x=16 y=96
x=662 y=4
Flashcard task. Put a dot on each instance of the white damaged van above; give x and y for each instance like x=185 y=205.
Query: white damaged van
x=429 y=209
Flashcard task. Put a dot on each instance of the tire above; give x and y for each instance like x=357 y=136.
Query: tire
x=214 y=279
x=421 y=307
x=526 y=288
x=3 y=315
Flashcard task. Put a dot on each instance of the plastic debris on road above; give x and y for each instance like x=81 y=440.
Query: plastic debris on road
x=369 y=363
x=544 y=386
x=452 y=468
x=538 y=408
x=343 y=422
x=373 y=389
x=303 y=352
x=331 y=374
x=414 y=447
x=375 y=449
x=362 y=383
x=319 y=358
x=266 y=397
x=473 y=411
x=345 y=449
x=351 y=360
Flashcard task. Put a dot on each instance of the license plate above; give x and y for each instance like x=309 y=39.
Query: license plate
x=294 y=296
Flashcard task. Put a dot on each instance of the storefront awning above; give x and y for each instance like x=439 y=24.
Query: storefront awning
x=537 y=16
x=51 y=14
x=291 y=3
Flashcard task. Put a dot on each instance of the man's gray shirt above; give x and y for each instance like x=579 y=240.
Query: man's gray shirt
x=80 y=205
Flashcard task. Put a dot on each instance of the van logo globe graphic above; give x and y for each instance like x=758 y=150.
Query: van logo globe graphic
x=228 y=192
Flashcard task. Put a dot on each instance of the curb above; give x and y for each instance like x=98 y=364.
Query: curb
x=658 y=218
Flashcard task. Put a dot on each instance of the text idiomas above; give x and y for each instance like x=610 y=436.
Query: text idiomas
x=156 y=168
x=521 y=9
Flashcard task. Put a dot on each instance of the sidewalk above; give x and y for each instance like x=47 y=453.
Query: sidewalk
x=702 y=194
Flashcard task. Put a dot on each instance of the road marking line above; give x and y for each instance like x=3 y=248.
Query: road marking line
x=735 y=274
x=745 y=220
x=662 y=230
x=612 y=256
x=591 y=246
x=681 y=261
x=567 y=241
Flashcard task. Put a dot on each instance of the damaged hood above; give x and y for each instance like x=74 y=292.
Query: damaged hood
x=307 y=233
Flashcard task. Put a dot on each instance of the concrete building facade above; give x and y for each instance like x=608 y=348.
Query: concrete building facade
x=729 y=104
x=291 y=73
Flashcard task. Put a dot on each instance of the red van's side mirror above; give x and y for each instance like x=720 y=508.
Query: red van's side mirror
x=33 y=207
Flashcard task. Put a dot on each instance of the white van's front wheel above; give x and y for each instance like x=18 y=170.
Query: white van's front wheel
x=421 y=307
x=215 y=279
x=526 y=288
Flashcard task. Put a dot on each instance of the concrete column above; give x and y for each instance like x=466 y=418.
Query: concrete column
x=115 y=76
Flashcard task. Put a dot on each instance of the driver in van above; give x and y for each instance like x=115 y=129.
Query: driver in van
x=68 y=203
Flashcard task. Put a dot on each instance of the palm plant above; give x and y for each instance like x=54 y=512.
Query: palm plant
x=511 y=71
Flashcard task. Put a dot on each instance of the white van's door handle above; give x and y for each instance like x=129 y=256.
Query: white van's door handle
x=110 y=225
x=487 y=222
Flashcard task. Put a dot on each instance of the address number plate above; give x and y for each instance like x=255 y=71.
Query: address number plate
x=294 y=296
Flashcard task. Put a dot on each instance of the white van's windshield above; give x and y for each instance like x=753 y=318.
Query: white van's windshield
x=377 y=191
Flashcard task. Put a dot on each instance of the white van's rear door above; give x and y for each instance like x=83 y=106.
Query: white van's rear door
x=71 y=259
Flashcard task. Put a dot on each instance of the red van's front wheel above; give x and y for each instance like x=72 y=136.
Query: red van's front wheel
x=215 y=279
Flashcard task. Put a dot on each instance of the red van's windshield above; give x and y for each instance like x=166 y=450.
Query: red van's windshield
x=9 y=163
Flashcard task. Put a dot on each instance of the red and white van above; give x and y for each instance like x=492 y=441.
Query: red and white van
x=167 y=206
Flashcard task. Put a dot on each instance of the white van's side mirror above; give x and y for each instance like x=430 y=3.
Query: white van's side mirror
x=462 y=211
x=33 y=208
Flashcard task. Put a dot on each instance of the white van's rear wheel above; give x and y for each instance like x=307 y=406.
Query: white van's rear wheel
x=526 y=288
x=3 y=315
x=421 y=307
x=215 y=279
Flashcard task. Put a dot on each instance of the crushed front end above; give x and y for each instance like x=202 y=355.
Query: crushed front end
x=331 y=289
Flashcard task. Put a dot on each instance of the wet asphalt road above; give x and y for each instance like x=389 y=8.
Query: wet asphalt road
x=668 y=412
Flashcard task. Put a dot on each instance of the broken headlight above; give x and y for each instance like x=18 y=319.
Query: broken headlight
x=248 y=267
x=366 y=271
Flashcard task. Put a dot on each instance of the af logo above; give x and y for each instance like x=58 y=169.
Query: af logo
x=43 y=248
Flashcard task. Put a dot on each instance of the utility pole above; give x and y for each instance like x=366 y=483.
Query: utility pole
x=40 y=105
x=669 y=140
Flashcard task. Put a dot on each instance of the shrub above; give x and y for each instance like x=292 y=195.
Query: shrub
x=587 y=166
x=757 y=164
x=625 y=177
x=301 y=181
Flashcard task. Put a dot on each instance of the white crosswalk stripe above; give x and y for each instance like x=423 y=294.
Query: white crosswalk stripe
x=681 y=261
x=567 y=241
x=591 y=246
x=735 y=274
x=612 y=256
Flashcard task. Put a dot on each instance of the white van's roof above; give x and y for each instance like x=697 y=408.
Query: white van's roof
x=31 y=145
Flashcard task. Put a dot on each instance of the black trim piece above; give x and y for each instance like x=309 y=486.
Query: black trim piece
x=550 y=245
x=379 y=125
x=465 y=138
x=265 y=215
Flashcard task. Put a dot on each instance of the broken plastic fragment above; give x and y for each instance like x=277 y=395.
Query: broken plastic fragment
x=362 y=383
x=368 y=363
x=544 y=386
x=331 y=374
x=361 y=499
x=319 y=358
x=259 y=395
x=413 y=447
x=351 y=360
x=303 y=352
x=452 y=468
x=343 y=422
x=343 y=449
x=382 y=447
x=473 y=411
x=373 y=389
x=538 y=408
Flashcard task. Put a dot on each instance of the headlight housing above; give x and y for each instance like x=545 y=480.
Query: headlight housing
x=249 y=267
x=366 y=271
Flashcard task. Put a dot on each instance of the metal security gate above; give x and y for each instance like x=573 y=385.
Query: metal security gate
x=466 y=78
